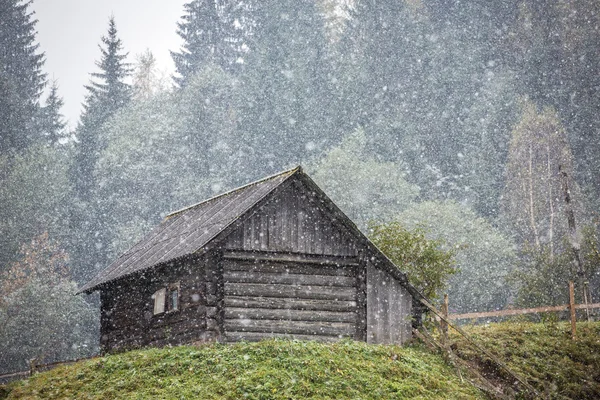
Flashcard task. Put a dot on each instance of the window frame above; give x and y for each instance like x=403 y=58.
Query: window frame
x=172 y=288
x=168 y=306
x=159 y=307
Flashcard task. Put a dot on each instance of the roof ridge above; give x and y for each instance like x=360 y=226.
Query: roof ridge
x=288 y=171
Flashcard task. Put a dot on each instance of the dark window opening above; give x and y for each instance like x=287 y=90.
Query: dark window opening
x=174 y=300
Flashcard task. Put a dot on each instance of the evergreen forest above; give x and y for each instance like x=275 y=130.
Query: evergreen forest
x=466 y=122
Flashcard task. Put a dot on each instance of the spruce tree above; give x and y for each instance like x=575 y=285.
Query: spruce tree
x=209 y=35
x=52 y=123
x=107 y=93
x=21 y=77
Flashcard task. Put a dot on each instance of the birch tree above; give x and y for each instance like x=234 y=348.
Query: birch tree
x=532 y=191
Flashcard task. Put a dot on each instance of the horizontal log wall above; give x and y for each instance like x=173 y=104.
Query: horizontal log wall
x=127 y=319
x=267 y=298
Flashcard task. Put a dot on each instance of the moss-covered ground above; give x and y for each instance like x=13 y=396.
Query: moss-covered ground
x=274 y=369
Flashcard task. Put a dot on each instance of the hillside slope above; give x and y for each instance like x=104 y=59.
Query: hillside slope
x=266 y=370
x=544 y=354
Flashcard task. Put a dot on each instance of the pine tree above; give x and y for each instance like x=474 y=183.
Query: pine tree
x=110 y=92
x=52 y=123
x=107 y=93
x=209 y=35
x=21 y=77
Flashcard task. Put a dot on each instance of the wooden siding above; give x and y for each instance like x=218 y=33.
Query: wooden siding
x=127 y=318
x=293 y=221
x=389 y=308
x=270 y=298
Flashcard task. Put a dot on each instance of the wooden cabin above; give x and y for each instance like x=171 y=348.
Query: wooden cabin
x=274 y=258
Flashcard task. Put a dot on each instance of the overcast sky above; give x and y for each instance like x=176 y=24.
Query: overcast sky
x=69 y=32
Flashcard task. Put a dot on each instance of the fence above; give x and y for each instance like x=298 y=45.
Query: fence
x=35 y=367
x=504 y=313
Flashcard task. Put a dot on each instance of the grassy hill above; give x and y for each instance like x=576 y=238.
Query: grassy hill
x=544 y=354
x=557 y=366
x=265 y=370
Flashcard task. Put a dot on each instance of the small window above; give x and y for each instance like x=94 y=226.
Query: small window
x=159 y=301
x=174 y=300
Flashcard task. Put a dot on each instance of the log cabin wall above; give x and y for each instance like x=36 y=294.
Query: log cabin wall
x=289 y=297
x=291 y=270
x=127 y=319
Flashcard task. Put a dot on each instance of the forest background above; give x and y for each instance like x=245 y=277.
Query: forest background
x=447 y=118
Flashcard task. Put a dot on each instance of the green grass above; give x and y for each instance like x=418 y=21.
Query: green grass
x=274 y=369
x=544 y=354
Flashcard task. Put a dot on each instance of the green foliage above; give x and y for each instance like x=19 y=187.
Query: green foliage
x=140 y=173
x=165 y=153
x=363 y=187
x=45 y=322
x=557 y=366
x=486 y=132
x=484 y=256
x=39 y=315
x=34 y=193
x=428 y=266
x=274 y=369
x=51 y=122
x=108 y=92
x=544 y=277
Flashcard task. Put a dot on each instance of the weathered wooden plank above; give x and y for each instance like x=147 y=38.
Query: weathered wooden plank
x=302 y=240
x=296 y=327
x=265 y=230
x=287 y=278
x=220 y=309
x=300 y=291
x=361 y=300
x=388 y=308
x=290 y=303
x=257 y=336
x=279 y=268
x=287 y=314
x=293 y=206
x=294 y=222
x=233 y=259
x=236 y=239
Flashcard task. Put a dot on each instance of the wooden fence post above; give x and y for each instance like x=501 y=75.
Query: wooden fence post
x=443 y=323
x=32 y=366
x=572 y=309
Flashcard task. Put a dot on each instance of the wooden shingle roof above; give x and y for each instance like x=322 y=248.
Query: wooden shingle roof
x=186 y=231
